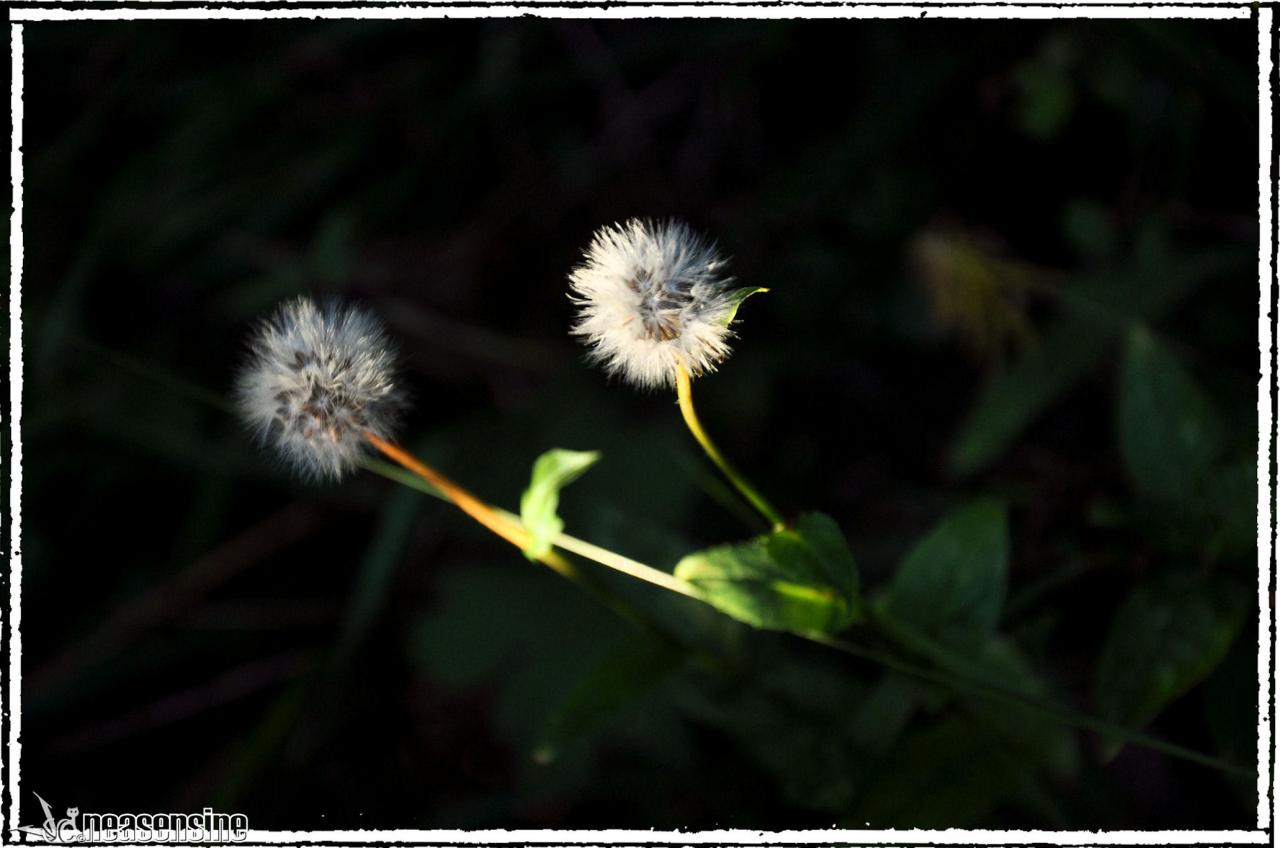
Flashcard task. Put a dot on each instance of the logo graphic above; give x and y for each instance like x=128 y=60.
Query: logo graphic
x=205 y=826
x=52 y=830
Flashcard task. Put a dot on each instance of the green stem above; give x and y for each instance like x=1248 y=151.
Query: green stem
x=873 y=655
x=983 y=689
x=617 y=562
x=882 y=658
x=684 y=393
x=603 y=594
x=994 y=692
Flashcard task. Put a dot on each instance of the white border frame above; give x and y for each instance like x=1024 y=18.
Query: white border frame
x=13 y=618
x=632 y=10
x=1266 y=432
x=10 y=767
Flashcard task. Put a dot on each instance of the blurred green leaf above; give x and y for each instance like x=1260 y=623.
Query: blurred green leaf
x=1196 y=481
x=1233 y=499
x=796 y=720
x=1230 y=697
x=520 y=637
x=522 y=630
x=1039 y=740
x=622 y=677
x=736 y=297
x=958 y=771
x=1167 y=636
x=1090 y=229
x=1097 y=310
x=1047 y=101
x=1170 y=434
x=944 y=775
x=1047 y=87
x=554 y=470
x=951 y=586
x=881 y=717
x=799 y=579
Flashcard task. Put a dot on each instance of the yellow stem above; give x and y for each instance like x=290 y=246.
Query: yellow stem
x=564 y=541
x=627 y=566
x=684 y=393
x=499 y=524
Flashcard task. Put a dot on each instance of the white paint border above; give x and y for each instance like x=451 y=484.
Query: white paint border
x=1266 y=239
x=1266 y=814
x=724 y=10
x=13 y=760
x=763 y=837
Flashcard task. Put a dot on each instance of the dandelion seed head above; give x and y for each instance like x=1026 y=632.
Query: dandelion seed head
x=652 y=295
x=318 y=377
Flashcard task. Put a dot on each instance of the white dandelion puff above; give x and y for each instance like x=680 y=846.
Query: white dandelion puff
x=651 y=297
x=318 y=381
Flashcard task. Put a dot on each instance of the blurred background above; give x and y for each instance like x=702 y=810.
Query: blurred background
x=1007 y=259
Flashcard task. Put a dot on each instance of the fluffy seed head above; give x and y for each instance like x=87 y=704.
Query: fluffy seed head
x=318 y=378
x=651 y=295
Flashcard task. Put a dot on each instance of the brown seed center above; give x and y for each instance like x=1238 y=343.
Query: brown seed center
x=662 y=304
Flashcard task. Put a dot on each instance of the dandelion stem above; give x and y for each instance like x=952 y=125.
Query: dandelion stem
x=684 y=392
x=508 y=527
x=564 y=541
x=502 y=525
x=886 y=659
x=627 y=566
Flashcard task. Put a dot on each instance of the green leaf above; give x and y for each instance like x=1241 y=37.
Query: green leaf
x=951 y=586
x=1170 y=434
x=800 y=579
x=554 y=470
x=1096 y=311
x=736 y=297
x=1166 y=637
x=623 y=676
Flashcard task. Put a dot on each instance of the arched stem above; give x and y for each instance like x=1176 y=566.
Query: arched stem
x=684 y=394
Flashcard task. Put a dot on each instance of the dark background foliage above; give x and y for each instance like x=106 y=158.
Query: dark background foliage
x=973 y=231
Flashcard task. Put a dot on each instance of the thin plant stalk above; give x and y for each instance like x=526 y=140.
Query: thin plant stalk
x=430 y=482
x=627 y=566
x=885 y=659
x=1050 y=710
x=684 y=393
x=499 y=524
x=564 y=541
x=409 y=472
